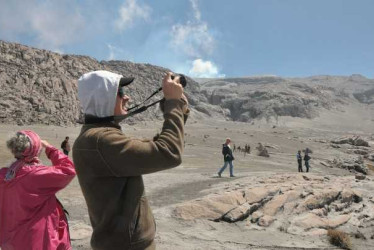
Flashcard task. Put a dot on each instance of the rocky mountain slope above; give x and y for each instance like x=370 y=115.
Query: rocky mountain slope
x=40 y=87
x=268 y=97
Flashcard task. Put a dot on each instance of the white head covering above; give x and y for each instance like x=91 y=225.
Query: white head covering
x=97 y=91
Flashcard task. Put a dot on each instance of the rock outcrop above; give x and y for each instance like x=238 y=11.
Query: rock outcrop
x=290 y=203
x=262 y=151
x=355 y=141
x=40 y=86
x=353 y=164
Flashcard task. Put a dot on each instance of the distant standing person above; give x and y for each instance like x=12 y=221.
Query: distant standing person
x=306 y=159
x=299 y=161
x=65 y=145
x=227 y=157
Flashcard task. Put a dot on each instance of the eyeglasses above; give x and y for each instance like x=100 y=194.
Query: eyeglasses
x=121 y=92
x=122 y=83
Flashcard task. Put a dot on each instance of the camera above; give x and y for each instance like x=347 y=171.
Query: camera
x=182 y=79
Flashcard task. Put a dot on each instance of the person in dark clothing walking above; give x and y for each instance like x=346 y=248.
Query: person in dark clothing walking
x=299 y=161
x=306 y=159
x=227 y=157
x=65 y=146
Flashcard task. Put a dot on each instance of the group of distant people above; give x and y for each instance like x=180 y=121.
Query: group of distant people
x=109 y=165
x=246 y=149
x=300 y=160
x=228 y=157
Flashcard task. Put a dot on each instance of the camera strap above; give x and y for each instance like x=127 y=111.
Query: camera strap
x=137 y=111
x=88 y=119
x=137 y=105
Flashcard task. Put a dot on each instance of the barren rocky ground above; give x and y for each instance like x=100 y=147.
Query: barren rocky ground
x=268 y=205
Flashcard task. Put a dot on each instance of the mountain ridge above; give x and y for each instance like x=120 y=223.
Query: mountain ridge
x=40 y=87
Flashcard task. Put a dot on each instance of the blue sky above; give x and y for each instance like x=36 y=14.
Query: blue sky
x=204 y=38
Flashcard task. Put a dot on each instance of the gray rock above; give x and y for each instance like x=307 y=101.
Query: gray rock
x=266 y=220
x=256 y=216
x=355 y=164
x=40 y=87
x=240 y=213
x=360 y=177
x=355 y=140
x=371 y=157
x=262 y=151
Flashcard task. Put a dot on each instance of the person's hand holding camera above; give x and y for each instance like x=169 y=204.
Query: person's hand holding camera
x=171 y=87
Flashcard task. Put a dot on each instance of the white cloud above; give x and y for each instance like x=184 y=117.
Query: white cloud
x=57 y=25
x=112 y=54
x=196 y=10
x=193 y=38
x=118 y=53
x=201 y=68
x=129 y=11
x=51 y=24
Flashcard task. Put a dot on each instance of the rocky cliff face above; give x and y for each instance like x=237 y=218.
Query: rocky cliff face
x=246 y=99
x=40 y=87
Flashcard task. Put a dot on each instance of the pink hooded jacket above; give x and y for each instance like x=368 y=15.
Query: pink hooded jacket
x=30 y=216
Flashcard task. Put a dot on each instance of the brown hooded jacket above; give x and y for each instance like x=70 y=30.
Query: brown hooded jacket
x=110 y=166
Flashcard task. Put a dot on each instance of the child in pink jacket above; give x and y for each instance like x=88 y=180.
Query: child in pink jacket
x=30 y=215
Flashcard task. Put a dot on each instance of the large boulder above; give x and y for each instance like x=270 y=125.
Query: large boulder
x=240 y=213
x=266 y=220
x=259 y=194
x=354 y=164
x=262 y=151
x=312 y=220
x=355 y=141
x=211 y=207
x=319 y=199
x=278 y=202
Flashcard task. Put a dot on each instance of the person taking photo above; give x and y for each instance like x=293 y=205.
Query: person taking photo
x=110 y=163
